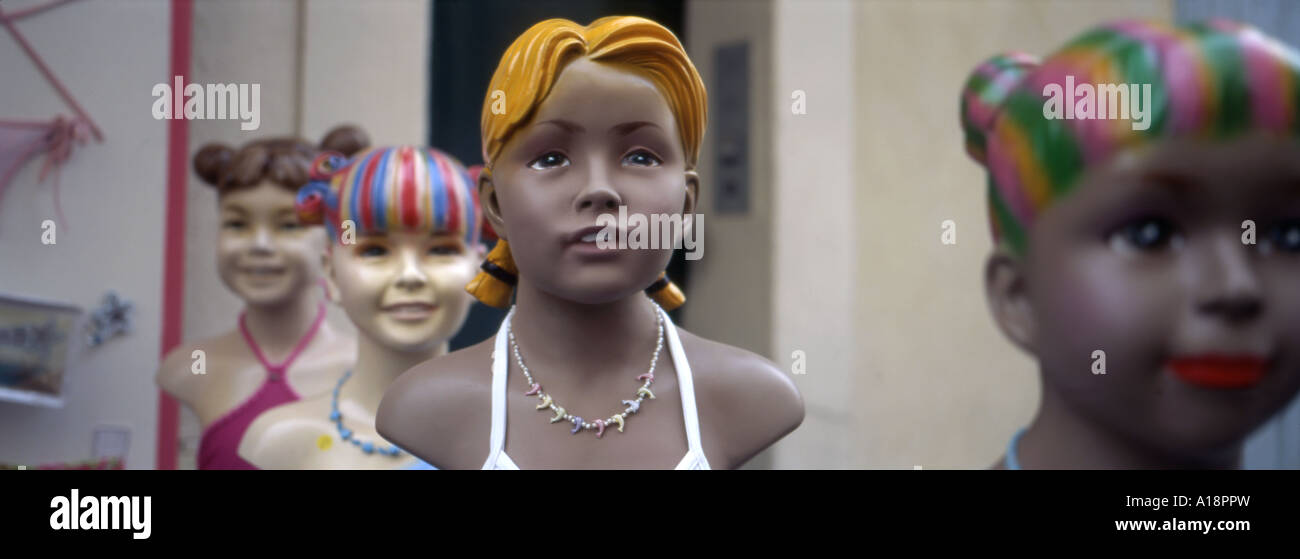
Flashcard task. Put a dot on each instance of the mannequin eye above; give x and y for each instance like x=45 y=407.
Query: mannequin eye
x=444 y=250
x=234 y=224
x=372 y=250
x=550 y=160
x=641 y=158
x=1147 y=234
x=1284 y=237
x=290 y=226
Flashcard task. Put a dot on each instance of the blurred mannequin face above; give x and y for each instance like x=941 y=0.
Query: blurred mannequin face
x=264 y=254
x=404 y=290
x=603 y=138
x=1145 y=260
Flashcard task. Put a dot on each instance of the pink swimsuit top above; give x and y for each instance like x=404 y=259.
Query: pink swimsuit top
x=219 y=445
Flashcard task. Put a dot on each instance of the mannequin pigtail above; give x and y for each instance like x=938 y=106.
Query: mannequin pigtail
x=666 y=293
x=495 y=282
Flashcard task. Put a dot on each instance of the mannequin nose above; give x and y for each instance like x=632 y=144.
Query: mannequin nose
x=411 y=276
x=262 y=239
x=1229 y=286
x=598 y=194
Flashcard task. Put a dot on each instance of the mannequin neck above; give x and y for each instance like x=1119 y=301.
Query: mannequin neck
x=377 y=367
x=279 y=327
x=1062 y=438
x=590 y=339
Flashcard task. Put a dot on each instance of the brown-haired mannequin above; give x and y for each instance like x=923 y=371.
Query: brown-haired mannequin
x=603 y=137
x=272 y=262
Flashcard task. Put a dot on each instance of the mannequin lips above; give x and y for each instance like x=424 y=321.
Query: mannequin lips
x=410 y=312
x=263 y=273
x=1223 y=372
x=583 y=241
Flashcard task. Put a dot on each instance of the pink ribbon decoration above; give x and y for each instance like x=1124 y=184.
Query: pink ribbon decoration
x=21 y=140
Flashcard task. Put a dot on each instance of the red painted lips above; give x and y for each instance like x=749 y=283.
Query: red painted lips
x=1219 y=371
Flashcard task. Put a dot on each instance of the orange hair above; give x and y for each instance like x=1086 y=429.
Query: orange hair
x=526 y=74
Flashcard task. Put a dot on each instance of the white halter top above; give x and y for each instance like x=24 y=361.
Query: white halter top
x=497 y=458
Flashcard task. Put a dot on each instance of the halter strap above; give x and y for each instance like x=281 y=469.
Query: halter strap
x=276 y=372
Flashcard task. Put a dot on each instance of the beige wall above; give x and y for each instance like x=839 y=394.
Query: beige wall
x=377 y=77
x=113 y=195
x=814 y=225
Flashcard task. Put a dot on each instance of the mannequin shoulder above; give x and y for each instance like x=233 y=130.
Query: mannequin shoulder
x=282 y=437
x=745 y=401
x=185 y=367
x=440 y=410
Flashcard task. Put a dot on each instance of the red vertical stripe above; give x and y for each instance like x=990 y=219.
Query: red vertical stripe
x=410 y=203
x=449 y=184
x=174 y=241
x=367 y=174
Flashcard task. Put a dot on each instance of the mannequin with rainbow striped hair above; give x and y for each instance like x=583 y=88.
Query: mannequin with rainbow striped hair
x=405 y=228
x=1150 y=267
x=581 y=122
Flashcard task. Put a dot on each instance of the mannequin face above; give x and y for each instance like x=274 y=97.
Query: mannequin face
x=1145 y=261
x=264 y=254
x=603 y=138
x=405 y=290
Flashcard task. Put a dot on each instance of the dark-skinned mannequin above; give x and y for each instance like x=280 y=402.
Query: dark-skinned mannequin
x=603 y=137
x=1141 y=256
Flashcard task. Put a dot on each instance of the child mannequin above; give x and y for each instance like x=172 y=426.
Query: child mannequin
x=1163 y=337
x=416 y=222
x=282 y=349
x=595 y=118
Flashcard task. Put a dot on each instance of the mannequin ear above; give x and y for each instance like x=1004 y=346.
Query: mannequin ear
x=692 y=199
x=487 y=196
x=327 y=273
x=1007 y=292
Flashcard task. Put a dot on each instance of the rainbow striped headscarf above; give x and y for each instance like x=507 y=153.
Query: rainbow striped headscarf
x=404 y=188
x=1211 y=80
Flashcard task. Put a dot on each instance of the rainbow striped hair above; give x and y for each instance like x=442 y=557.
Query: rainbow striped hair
x=1210 y=80
x=403 y=188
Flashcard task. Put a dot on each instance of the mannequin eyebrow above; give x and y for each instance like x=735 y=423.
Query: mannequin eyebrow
x=1174 y=182
x=568 y=126
x=629 y=127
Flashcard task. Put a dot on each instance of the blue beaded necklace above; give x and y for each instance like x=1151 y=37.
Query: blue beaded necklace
x=367 y=447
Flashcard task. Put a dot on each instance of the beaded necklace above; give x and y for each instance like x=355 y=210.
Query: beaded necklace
x=367 y=447
x=548 y=403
